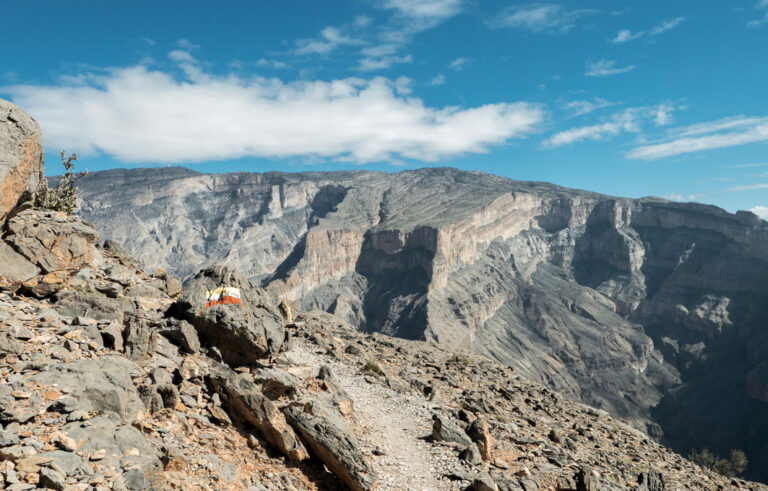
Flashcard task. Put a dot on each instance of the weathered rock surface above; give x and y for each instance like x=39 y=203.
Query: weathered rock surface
x=21 y=157
x=335 y=445
x=245 y=331
x=649 y=309
x=247 y=402
x=98 y=385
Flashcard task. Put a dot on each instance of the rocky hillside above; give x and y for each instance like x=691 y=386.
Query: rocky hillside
x=112 y=377
x=652 y=310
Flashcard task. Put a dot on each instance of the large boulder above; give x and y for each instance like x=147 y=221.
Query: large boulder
x=102 y=385
x=232 y=314
x=330 y=438
x=53 y=241
x=21 y=157
x=246 y=402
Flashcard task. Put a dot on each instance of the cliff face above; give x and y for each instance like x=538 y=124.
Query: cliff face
x=652 y=310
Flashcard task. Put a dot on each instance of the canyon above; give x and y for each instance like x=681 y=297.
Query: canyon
x=652 y=310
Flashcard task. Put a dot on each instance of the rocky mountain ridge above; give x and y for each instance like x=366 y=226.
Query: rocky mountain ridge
x=649 y=309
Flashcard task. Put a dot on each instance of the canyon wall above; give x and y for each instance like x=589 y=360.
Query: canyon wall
x=652 y=310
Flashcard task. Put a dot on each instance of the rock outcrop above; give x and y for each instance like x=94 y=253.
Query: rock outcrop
x=231 y=314
x=649 y=309
x=21 y=157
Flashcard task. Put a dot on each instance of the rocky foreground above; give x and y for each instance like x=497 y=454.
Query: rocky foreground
x=114 y=378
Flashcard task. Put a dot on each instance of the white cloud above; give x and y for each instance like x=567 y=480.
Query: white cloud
x=761 y=211
x=458 y=64
x=684 y=198
x=741 y=166
x=432 y=10
x=330 y=38
x=411 y=17
x=604 y=68
x=626 y=35
x=264 y=63
x=438 y=79
x=666 y=26
x=361 y=21
x=750 y=187
x=621 y=122
x=138 y=114
x=581 y=108
x=755 y=23
x=663 y=115
x=539 y=17
x=722 y=133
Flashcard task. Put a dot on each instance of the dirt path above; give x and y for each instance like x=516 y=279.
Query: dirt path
x=392 y=423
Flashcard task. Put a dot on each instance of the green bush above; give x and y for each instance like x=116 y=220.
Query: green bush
x=460 y=359
x=64 y=196
x=373 y=368
x=735 y=465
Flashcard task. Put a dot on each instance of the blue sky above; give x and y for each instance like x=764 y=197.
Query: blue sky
x=625 y=98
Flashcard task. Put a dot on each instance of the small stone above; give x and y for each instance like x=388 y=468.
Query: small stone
x=99 y=454
x=52 y=479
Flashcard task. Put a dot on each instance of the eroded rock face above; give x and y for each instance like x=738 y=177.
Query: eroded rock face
x=21 y=157
x=611 y=301
x=53 y=241
x=243 y=322
x=99 y=385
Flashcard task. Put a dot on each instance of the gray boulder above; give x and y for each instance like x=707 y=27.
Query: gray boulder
x=245 y=401
x=98 y=385
x=445 y=429
x=13 y=266
x=21 y=157
x=243 y=332
x=334 y=443
x=125 y=446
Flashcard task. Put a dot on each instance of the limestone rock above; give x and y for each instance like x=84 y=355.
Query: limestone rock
x=13 y=266
x=53 y=241
x=336 y=446
x=21 y=157
x=244 y=331
x=98 y=385
x=244 y=399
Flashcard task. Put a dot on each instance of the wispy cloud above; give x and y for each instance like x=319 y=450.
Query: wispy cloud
x=743 y=166
x=684 y=198
x=458 y=64
x=327 y=41
x=139 y=114
x=761 y=211
x=438 y=79
x=410 y=19
x=582 y=107
x=711 y=135
x=667 y=25
x=427 y=10
x=604 y=68
x=755 y=23
x=625 y=35
x=624 y=121
x=549 y=18
x=750 y=187
x=629 y=120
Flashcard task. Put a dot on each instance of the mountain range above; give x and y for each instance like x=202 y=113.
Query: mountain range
x=652 y=310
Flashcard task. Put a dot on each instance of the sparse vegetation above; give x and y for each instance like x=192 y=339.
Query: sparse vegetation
x=64 y=196
x=460 y=359
x=735 y=465
x=373 y=368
